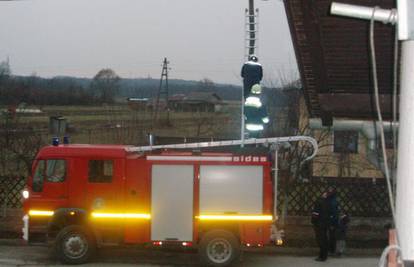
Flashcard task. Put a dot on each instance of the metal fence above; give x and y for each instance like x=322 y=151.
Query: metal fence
x=10 y=193
x=359 y=197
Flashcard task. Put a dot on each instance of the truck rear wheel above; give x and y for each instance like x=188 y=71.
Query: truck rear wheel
x=75 y=245
x=219 y=248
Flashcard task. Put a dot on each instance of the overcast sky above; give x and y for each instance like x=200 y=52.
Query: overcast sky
x=201 y=39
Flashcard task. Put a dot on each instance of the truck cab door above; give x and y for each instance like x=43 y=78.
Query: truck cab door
x=104 y=193
x=104 y=185
x=49 y=185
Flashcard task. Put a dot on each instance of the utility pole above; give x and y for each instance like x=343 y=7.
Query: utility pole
x=163 y=93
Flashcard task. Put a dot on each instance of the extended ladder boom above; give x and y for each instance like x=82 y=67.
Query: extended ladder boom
x=252 y=141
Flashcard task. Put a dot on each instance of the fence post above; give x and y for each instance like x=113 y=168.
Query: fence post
x=5 y=197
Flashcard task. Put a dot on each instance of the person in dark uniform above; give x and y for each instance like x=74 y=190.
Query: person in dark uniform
x=252 y=73
x=341 y=234
x=333 y=219
x=320 y=221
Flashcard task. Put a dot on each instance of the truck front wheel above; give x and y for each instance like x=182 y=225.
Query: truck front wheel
x=75 y=245
x=219 y=248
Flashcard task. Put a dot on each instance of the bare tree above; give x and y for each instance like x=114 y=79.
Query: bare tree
x=289 y=118
x=5 y=71
x=206 y=85
x=205 y=123
x=19 y=142
x=293 y=165
x=105 y=84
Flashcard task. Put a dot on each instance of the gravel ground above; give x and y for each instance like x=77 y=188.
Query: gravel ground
x=21 y=255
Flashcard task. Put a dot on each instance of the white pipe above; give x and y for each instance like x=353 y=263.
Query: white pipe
x=276 y=180
x=363 y=12
x=405 y=23
x=403 y=15
x=368 y=128
x=405 y=167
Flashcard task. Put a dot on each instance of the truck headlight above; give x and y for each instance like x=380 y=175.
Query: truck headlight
x=25 y=194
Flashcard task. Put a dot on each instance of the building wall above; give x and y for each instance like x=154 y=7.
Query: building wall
x=331 y=164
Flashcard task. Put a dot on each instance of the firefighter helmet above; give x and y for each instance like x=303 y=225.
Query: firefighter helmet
x=253 y=58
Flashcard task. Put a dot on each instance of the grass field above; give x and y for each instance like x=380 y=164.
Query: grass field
x=119 y=124
x=22 y=135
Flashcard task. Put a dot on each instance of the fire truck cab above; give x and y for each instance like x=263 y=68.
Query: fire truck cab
x=82 y=197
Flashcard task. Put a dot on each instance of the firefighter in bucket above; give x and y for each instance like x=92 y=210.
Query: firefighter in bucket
x=255 y=113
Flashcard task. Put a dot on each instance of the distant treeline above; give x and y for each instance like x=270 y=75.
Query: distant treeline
x=149 y=87
x=35 y=90
x=39 y=91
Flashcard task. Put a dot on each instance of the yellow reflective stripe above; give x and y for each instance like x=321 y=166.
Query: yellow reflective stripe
x=45 y=213
x=235 y=217
x=121 y=215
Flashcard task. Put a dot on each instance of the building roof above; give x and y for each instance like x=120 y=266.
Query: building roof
x=333 y=58
x=207 y=97
x=136 y=99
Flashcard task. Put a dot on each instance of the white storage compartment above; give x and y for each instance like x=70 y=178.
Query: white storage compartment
x=231 y=189
x=172 y=202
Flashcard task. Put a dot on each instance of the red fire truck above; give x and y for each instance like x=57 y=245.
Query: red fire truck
x=82 y=197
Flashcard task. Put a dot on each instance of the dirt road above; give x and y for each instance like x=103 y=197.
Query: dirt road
x=11 y=255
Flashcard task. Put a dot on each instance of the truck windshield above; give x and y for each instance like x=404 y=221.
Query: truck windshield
x=39 y=176
x=54 y=171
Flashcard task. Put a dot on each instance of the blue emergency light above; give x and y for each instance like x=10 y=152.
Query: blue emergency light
x=55 y=141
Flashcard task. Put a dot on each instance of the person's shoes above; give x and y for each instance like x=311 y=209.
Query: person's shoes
x=320 y=259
